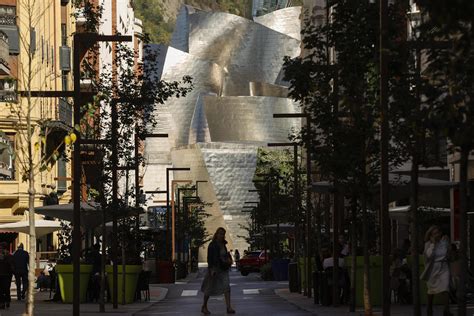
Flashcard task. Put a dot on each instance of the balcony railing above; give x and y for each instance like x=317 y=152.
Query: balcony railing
x=65 y=112
x=7 y=15
x=8 y=91
x=4 y=53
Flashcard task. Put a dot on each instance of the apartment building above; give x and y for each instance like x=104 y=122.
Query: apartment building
x=49 y=41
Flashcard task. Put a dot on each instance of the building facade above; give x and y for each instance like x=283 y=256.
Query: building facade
x=48 y=43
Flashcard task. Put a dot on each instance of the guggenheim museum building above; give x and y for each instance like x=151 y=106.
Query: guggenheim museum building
x=236 y=65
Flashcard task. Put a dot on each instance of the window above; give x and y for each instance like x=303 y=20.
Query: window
x=7 y=157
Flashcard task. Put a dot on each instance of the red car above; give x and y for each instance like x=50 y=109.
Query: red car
x=252 y=261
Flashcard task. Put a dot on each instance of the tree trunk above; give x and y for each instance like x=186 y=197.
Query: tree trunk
x=365 y=240
x=30 y=302
x=415 y=267
x=32 y=263
x=353 y=254
x=463 y=205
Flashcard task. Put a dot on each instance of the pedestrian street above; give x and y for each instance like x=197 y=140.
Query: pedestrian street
x=250 y=296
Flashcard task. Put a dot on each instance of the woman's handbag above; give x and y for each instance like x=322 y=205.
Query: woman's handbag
x=227 y=263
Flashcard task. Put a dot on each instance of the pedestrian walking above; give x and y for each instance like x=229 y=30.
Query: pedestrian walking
x=6 y=272
x=237 y=258
x=21 y=259
x=216 y=281
x=436 y=273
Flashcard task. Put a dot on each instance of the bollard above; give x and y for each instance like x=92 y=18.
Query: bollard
x=293 y=277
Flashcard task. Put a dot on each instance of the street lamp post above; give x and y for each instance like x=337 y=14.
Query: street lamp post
x=307 y=290
x=181 y=223
x=137 y=173
x=197 y=185
x=82 y=42
x=296 y=212
x=254 y=210
x=384 y=145
x=173 y=216
x=270 y=210
x=168 y=241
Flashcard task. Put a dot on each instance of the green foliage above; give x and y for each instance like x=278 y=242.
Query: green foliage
x=451 y=70
x=65 y=243
x=191 y=219
x=154 y=14
x=339 y=91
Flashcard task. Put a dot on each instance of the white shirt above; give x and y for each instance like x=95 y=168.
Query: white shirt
x=329 y=263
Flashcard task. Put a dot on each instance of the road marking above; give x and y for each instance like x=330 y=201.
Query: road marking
x=233 y=284
x=189 y=293
x=180 y=282
x=251 y=291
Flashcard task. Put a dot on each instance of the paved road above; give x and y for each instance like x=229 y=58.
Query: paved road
x=250 y=296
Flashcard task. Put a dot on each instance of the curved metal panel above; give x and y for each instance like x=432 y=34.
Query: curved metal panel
x=247 y=50
x=249 y=119
x=267 y=89
x=286 y=21
x=199 y=131
x=207 y=78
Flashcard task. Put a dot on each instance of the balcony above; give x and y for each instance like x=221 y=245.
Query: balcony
x=8 y=90
x=65 y=112
x=7 y=15
x=4 y=54
x=9 y=28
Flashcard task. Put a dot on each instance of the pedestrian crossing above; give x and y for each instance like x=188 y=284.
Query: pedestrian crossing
x=244 y=291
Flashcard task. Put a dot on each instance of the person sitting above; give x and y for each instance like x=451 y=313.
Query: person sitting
x=328 y=261
x=42 y=282
x=344 y=281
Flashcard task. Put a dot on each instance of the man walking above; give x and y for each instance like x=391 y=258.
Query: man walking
x=21 y=259
x=6 y=270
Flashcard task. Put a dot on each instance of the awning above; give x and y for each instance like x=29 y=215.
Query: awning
x=91 y=213
x=399 y=186
x=284 y=227
x=43 y=227
x=402 y=213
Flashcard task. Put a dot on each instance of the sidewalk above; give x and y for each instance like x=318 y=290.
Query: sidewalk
x=43 y=307
x=307 y=304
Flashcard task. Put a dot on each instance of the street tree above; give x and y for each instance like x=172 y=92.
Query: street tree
x=450 y=72
x=122 y=113
x=338 y=86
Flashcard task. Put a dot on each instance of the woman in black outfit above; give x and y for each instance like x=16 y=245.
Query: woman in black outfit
x=219 y=262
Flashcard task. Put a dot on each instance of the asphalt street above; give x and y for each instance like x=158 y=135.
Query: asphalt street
x=250 y=296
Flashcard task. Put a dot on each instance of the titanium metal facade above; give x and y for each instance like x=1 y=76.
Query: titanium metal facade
x=236 y=66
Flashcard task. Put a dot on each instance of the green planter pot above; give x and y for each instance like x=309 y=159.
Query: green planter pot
x=375 y=279
x=65 y=277
x=131 y=279
x=302 y=269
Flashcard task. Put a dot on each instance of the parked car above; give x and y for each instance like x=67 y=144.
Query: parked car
x=252 y=261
